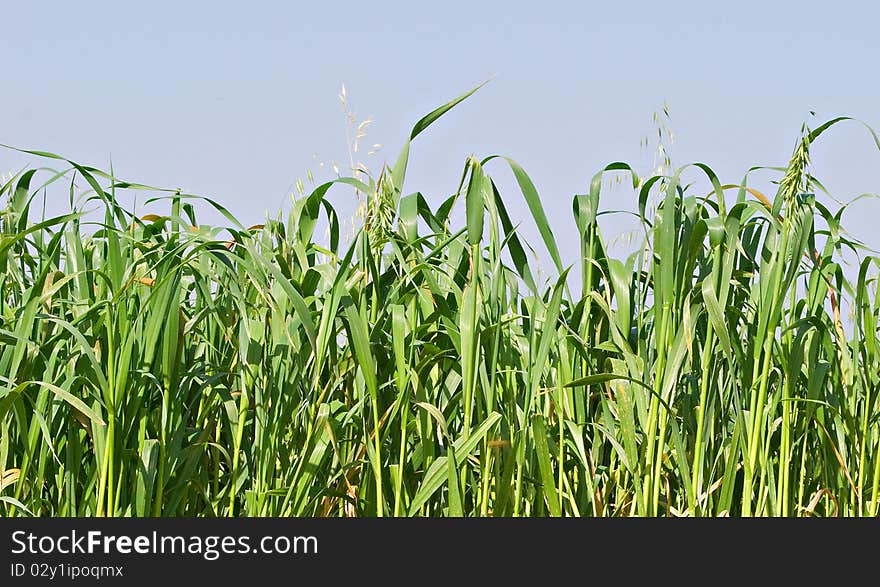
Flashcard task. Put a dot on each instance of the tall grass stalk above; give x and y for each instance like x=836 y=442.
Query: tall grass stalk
x=153 y=365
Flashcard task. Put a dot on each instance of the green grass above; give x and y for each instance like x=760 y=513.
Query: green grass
x=158 y=366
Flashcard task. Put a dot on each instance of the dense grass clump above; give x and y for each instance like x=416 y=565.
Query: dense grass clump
x=157 y=366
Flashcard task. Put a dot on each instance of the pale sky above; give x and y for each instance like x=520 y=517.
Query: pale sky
x=237 y=100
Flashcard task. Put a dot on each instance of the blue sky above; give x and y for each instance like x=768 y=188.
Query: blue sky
x=238 y=100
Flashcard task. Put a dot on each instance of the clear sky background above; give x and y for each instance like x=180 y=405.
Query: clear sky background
x=237 y=100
